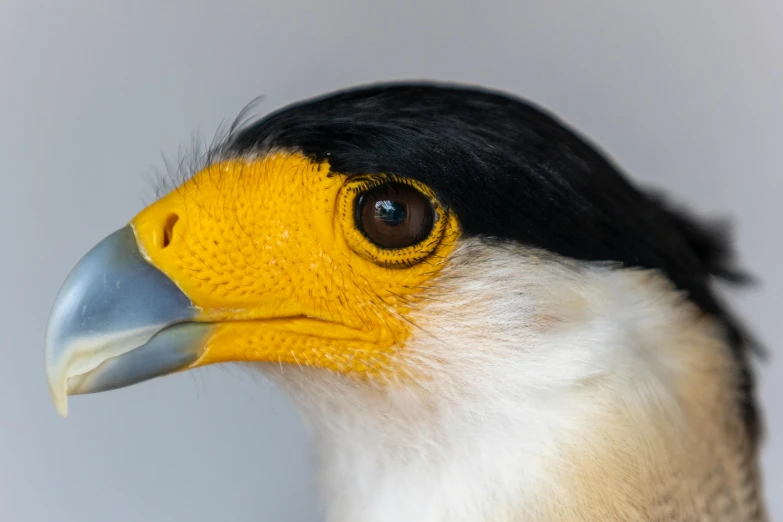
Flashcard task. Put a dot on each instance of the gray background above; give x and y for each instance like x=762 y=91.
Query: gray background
x=687 y=96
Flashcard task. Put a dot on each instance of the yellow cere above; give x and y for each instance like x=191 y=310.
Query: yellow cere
x=269 y=251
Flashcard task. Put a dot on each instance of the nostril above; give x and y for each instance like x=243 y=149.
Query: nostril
x=168 y=229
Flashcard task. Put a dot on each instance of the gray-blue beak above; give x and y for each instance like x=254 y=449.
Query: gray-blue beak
x=117 y=321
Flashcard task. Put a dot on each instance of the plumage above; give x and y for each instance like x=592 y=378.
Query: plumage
x=550 y=348
x=510 y=171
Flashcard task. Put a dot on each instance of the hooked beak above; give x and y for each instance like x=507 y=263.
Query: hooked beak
x=118 y=321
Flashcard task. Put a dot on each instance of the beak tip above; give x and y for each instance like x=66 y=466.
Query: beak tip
x=62 y=407
x=58 y=392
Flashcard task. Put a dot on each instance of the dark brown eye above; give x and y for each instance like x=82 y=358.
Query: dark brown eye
x=394 y=215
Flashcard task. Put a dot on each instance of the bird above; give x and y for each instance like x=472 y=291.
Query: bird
x=476 y=313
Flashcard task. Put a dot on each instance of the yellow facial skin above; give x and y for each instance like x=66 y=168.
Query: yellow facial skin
x=269 y=251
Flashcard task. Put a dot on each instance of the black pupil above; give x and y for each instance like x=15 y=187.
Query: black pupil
x=392 y=213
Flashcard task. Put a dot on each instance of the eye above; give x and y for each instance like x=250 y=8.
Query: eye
x=394 y=215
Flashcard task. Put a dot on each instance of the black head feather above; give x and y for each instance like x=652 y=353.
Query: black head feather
x=510 y=171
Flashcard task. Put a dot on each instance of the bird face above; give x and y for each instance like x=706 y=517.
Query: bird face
x=297 y=264
x=275 y=259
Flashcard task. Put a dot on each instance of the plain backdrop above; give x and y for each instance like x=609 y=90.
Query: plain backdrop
x=685 y=96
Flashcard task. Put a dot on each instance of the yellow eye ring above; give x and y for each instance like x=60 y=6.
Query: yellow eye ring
x=384 y=245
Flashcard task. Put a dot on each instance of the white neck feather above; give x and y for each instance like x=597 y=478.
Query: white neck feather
x=526 y=355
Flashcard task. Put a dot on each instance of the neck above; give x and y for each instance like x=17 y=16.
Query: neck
x=543 y=405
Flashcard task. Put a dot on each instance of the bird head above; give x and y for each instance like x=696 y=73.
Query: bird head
x=429 y=270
